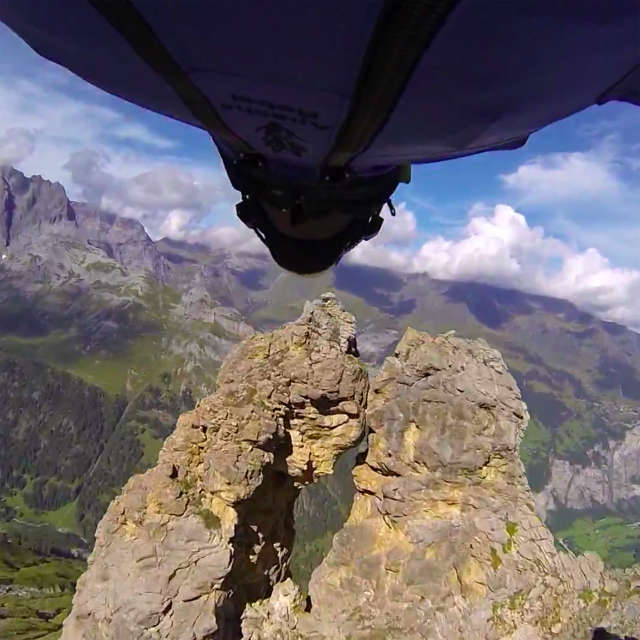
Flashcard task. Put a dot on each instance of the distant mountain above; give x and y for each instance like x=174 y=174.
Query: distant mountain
x=142 y=327
x=125 y=340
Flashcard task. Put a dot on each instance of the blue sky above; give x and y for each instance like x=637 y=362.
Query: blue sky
x=558 y=216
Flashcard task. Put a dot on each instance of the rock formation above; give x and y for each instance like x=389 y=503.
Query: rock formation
x=442 y=542
x=30 y=207
x=190 y=542
x=611 y=479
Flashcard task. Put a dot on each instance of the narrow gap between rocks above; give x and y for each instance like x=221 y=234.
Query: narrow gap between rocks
x=320 y=511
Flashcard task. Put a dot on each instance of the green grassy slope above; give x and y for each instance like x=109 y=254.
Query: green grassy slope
x=35 y=592
x=615 y=539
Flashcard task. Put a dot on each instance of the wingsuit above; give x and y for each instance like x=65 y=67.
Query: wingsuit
x=318 y=108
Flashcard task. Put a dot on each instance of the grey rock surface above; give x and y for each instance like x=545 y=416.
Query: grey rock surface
x=122 y=239
x=73 y=250
x=443 y=540
x=31 y=207
x=190 y=542
x=50 y=240
x=102 y=279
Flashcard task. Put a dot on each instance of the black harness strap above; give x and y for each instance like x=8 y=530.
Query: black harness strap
x=129 y=22
x=404 y=30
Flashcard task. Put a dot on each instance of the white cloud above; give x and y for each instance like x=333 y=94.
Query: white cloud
x=136 y=132
x=559 y=177
x=60 y=127
x=389 y=249
x=498 y=249
x=15 y=145
x=234 y=238
x=169 y=200
x=376 y=255
x=88 y=172
x=167 y=187
x=588 y=196
x=176 y=224
x=502 y=249
x=498 y=246
x=399 y=230
x=56 y=125
x=66 y=139
x=590 y=281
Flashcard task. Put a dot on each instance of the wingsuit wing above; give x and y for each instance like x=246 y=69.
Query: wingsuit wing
x=499 y=70
x=263 y=67
x=371 y=83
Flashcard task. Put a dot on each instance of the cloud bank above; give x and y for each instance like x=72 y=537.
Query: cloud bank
x=169 y=200
x=566 y=177
x=499 y=247
x=104 y=151
x=16 y=144
x=129 y=162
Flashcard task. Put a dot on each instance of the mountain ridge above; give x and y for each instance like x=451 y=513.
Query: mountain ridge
x=442 y=537
x=150 y=322
x=137 y=285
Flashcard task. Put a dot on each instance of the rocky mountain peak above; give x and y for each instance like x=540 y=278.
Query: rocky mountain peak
x=101 y=300
x=36 y=213
x=31 y=206
x=122 y=239
x=103 y=225
x=210 y=527
x=442 y=541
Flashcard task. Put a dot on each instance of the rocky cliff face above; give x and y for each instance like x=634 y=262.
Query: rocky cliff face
x=442 y=541
x=611 y=480
x=71 y=268
x=85 y=292
x=122 y=239
x=36 y=216
x=30 y=207
x=188 y=544
x=90 y=293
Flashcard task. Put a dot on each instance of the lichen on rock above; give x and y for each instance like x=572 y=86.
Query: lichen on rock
x=188 y=543
x=442 y=541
